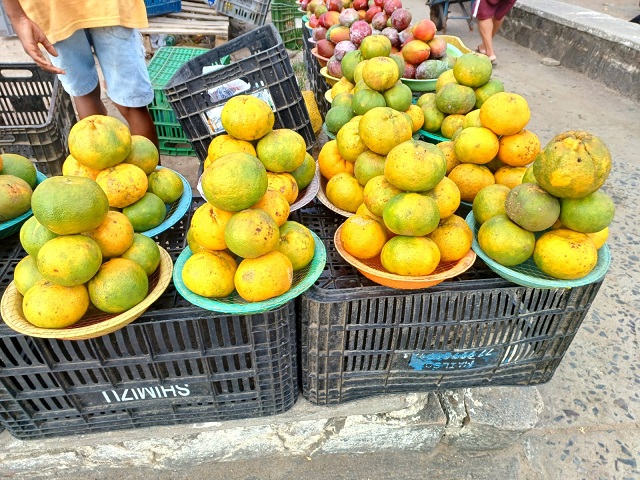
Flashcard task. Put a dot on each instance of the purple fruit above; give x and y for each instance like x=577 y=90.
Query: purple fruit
x=334 y=67
x=348 y=16
x=379 y=21
x=342 y=48
x=400 y=19
x=358 y=31
x=393 y=36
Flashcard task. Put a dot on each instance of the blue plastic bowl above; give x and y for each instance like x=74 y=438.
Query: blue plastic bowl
x=176 y=210
x=234 y=304
x=529 y=275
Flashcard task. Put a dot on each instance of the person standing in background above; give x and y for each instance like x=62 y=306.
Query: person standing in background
x=71 y=31
x=490 y=15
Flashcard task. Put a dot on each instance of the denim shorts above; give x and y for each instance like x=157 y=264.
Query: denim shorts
x=121 y=56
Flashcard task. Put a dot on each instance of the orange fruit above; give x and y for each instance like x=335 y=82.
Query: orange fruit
x=166 y=184
x=382 y=128
x=531 y=207
x=505 y=113
x=572 y=165
x=281 y=150
x=399 y=98
x=246 y=117
x=26 y=274
x=588 y=214
x=428 y=98
x=349 y=143
x=476 y=145
x=453 y=238
x=445 y=77
x=69 y=260
x=415 y=166
x=368 y=165
x=69 y=205
x=15 y=197
x=364 y=99
x=19 y=166
x=446 y=195
x=380 y=73
x=33 y=235
x=73 y=168
x=362 y=236
x=489 y=202
x=411 y=256
x=432 y=118
x=505 y=242
x=264 y=277
x=599 y=238
x=208 y=225
x=470 y=179
x=455 y=98
x=124 y=184
x=448 y=148
x=472 y=119
x=224 y=144
x=331 y=162
x=377 y=192
x=375 y=46
x=99 y=141
x=147 y=213
x=344 y=191
x=411 y=214
x=194 y=246
x=275 y=204
x=234 y=182
x=450 y=124
x=210 y=274
x=297 y=243
x=520 y=149
x=114 y=235
x=509 y=176
x=417 y=117
x=143 y=154
x=47 y=305
x=119 y=285
x=565 y=254
x=304 y=174
x=472 y=69
x=145 y=252
x=251 y=233
x=284 y=183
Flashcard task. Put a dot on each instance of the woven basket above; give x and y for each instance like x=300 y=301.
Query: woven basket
x=234 y=304
x=374 y=271
x=176 y=210
x=529 y=275
x=322 y=196
x=95 y=323
x=12 y=226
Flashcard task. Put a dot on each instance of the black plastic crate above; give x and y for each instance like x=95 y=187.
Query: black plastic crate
x=249 y=11
x=162 y=7
x=175 y=364
x=257 y=57
x=360 y=339
x=36 y=115
x=317 y=83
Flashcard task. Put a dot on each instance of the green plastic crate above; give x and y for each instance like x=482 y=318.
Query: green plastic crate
x=287 y=18
x=165 y=62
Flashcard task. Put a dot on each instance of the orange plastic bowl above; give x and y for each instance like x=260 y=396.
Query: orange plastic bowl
x=321 y=60
x=374 y=271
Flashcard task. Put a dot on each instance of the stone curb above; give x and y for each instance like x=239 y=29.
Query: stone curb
x=604 y=48
x=486 y=418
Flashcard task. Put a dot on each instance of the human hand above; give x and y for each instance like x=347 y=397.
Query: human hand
x=31 y=37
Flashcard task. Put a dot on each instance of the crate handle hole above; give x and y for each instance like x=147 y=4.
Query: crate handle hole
x=11 y=73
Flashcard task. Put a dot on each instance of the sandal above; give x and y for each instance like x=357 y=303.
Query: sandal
x=481 y=50
x=494 y=61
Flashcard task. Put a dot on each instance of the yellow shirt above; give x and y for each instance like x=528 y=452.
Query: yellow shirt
x=58 y=19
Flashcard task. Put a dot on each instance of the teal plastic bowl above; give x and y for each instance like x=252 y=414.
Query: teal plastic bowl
x=12 y=226
x=235 y=304
x=176 y=210
x=529 y=275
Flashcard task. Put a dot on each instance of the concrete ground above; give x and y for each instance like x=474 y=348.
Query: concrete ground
x=583 y=424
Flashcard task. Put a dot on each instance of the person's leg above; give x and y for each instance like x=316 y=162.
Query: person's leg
x=140 y=121
x=90 y=104
x=75 y=56
x=126 y=76
x=485 y=28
